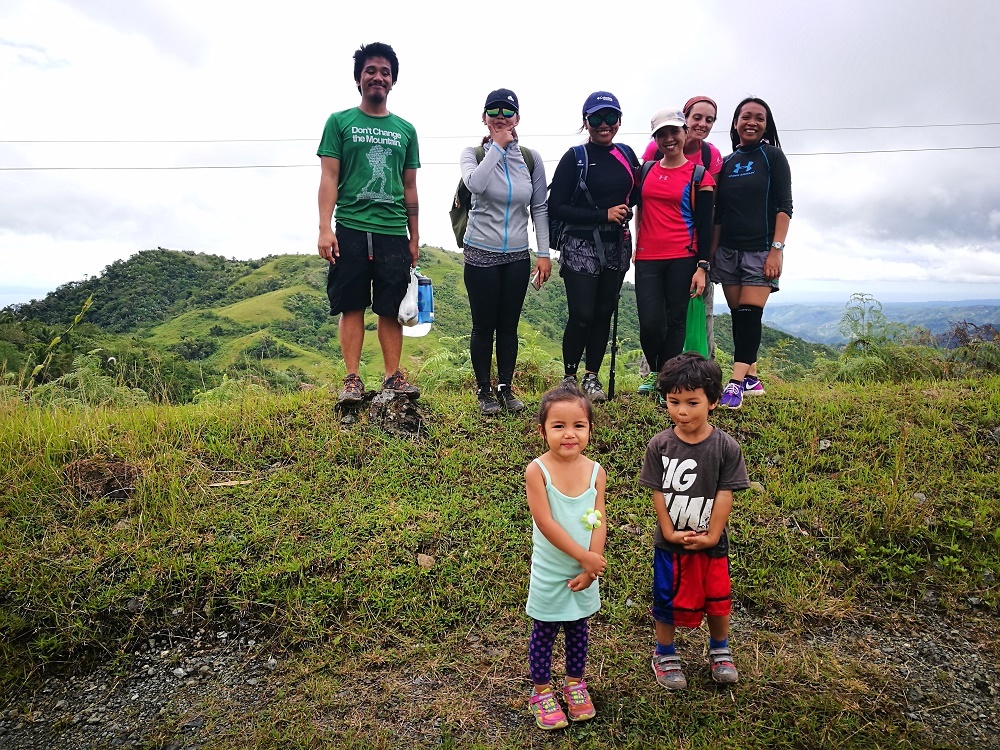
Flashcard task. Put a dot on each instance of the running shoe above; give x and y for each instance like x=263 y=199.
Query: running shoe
x=752 y=386
x=720 y=660
x=648 y=385
x=488 y=403
x=578 y=703
x=353 y=390
x=508 y=400
x=732 y=396
x=548 y=713
x=593 y=388
x=667 y=668
x=397 y=382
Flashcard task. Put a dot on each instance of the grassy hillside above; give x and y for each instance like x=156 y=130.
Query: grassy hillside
x=212 y=313
x=263 y=511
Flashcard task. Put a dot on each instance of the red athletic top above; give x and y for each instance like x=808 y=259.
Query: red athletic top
x=666 y=216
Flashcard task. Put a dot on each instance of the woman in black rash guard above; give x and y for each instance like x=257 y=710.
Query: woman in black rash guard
x=595 y=245
x=753 y=208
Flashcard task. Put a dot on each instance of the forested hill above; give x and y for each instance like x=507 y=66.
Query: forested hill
x=215 y=314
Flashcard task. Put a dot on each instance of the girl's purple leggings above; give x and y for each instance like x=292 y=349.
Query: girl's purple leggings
x=543 y=637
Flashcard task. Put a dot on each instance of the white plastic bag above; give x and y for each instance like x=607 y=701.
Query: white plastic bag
x=408 y=308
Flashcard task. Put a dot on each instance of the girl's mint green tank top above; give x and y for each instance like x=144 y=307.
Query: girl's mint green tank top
x=549 y=598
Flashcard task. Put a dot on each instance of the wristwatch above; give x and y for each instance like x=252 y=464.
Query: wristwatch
x=704 y=265
x=778 y=245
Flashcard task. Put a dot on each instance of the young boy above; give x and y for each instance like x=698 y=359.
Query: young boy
x=692 y=469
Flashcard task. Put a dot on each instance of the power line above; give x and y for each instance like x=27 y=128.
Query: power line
x=471 y=137
x=449 y=163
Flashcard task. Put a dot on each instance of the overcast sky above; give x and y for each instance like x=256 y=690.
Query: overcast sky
x=254 y=88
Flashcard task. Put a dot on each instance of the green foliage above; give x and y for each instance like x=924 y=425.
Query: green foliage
x=85 y=386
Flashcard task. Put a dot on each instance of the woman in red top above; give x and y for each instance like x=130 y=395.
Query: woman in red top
x=671 y=258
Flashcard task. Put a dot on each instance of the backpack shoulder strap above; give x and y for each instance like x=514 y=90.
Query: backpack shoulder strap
x=480 y=154
x=529 y=159
x=706 y=154
x=580 y=152
x=643 y=174
x=698 y=175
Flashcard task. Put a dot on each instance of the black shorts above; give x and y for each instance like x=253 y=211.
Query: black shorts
x=372 y=270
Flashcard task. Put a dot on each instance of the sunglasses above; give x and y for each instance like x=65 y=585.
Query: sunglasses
x=497 y=111
x=611 y=118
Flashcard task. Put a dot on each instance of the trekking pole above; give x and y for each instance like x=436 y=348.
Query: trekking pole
x=614 y=348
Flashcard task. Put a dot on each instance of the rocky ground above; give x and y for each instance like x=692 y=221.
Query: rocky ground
x=157 y=696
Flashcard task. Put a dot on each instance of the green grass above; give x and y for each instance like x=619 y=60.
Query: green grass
x=318 y=539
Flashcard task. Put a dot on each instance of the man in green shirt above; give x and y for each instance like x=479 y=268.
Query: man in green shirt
x=369 y=160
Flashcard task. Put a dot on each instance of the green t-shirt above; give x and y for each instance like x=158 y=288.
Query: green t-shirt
x=373 y=152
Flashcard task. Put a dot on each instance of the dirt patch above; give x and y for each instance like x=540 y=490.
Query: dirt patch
x=99 y=477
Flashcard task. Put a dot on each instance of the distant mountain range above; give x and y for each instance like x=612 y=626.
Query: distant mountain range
x=820 y=323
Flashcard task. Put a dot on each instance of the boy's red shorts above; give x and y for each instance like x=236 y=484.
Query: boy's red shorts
x=688 y=586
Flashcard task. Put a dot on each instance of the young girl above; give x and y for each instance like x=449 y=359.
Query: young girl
x=566 y=497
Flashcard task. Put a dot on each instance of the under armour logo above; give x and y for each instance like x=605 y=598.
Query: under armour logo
x=739 y=166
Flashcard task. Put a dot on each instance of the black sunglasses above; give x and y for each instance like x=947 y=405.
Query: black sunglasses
x=611 y=118
x=495 y=112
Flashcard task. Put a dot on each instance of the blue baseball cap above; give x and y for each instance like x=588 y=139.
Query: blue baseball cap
x=601 y=100
x=503 y=97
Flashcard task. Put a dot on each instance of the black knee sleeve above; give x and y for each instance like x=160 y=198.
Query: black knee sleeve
x=746 y=333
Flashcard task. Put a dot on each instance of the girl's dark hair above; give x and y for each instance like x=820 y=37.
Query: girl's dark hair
x=689 y=372
x=770 y=130
x=565 y=393
x=376 y=49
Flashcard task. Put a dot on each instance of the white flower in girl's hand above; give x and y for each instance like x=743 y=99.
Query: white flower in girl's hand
x=592 y=519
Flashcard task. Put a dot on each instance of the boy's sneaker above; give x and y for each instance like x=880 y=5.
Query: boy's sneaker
x=397 y=382
x=752 y=386
x=732 y=396
x=667 y=668
x=578 y=703
x=648 y=384
x=593 y=388
x=353 y=390
x=488 y=403
x=508 y=400
x=548 y=713
x=721 y=662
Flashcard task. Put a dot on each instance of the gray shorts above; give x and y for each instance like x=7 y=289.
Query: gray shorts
x=741 y=268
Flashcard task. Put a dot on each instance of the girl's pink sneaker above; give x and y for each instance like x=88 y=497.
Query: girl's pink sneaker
x=578 y=702
x=547 y=711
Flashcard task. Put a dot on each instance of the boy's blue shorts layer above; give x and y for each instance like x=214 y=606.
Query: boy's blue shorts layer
x=372 y=270
x=688 y=586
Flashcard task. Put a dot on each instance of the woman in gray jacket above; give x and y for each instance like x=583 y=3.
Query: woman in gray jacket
x=504 y=186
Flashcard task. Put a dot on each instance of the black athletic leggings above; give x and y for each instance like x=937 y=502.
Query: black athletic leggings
x=591 y=301
x=662 y=291
x=496 y=296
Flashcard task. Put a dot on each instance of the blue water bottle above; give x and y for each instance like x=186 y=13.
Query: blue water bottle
x=425 y=299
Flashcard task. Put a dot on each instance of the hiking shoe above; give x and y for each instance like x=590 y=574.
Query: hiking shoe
x=732 y=396
x=721 y=662
x=508 y=400
x=648 y=385
x=667 y=668
x=548 y=713
x=353 y=390
x=578 y=703
x=488 y=403
x=592 y=387
x=569 y=382
x=397 y=382
x=752 y=386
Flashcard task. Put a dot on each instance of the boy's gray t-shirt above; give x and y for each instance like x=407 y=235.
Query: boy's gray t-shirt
x=689 y=475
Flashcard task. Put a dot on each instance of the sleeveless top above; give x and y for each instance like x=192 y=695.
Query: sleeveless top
x=549 y=598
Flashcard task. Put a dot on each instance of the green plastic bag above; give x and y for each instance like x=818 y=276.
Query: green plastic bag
x=696 y=333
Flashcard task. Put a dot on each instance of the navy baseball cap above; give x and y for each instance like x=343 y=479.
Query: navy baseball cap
x=506 y=97
x=601 y=100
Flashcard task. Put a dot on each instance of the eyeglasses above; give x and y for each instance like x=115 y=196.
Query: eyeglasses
x=497 y=111
x=611 y=118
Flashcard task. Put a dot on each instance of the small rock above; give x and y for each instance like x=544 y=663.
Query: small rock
x=272 y=664
x=630 y=603
x=920 y=497
x=94 y=718
x=756 y=486
x=825 y=445
x=425 y=561
x=974 y=601
x=252 y=681
x=179 y=672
